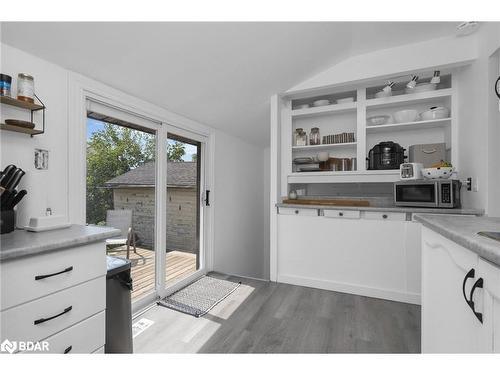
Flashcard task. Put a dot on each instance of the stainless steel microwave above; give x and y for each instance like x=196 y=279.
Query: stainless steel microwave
x=427 y=193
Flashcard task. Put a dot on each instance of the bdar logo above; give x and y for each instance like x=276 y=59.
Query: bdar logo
x=8 y=346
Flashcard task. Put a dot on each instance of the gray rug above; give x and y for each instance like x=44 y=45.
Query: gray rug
x=200 y=297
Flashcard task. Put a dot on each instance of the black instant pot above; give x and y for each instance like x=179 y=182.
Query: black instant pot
x=386 y=155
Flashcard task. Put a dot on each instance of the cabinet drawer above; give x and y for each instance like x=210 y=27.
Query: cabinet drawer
x=389 y=216
x=79 y=302
x=342 y=214
x=298 y=211
x=19 y=283
x=85 y=337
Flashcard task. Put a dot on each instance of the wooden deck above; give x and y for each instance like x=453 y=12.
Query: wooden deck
x=178 y=265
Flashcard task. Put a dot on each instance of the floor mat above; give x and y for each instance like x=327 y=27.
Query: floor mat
x=200 y=297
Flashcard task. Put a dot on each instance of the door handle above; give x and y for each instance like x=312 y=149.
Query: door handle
x=68 y=349
x=207 y=198
x=497 y=87
x=469 y=275
x=478 y=284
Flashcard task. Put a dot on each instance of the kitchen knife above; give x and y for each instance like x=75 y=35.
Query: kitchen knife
x=17 y=198
x=12 y=183
x=7 y=174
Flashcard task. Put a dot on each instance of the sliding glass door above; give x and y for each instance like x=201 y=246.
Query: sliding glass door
x=147 y=179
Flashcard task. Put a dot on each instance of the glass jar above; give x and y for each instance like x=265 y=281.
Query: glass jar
x=314 y=138
x=296 y=134
x=25 y=87
x=301 y=138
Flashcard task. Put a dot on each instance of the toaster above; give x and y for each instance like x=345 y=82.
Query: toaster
x=411 y=171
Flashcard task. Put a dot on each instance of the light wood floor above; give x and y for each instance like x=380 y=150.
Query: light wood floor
x=178 y=265
x=266 y=317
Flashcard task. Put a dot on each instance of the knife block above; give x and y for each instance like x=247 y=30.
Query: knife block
x=7 y=221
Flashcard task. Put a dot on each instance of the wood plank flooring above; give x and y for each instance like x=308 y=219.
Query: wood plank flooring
x=178 y=265
x=266 y=317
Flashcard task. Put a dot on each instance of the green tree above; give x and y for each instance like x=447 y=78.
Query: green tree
x=175 y=151
x=111 y=152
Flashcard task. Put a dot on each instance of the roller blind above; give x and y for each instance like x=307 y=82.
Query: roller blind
x=106 y=113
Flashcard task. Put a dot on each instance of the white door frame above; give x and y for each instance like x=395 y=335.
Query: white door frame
x=82 y=89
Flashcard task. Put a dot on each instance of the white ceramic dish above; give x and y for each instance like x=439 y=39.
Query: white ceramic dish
x=422 y=87
x=345 y=100
x=377 y=120
x=383 y=94
x=435 y=113
x=437 y=173
x=302 y=106
x=321 y=102
x=406 y=115
x=323 y=156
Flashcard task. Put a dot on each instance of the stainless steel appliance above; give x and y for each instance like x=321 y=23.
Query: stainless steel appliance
x=410 y=171
x=386 y=155
x=427 y=193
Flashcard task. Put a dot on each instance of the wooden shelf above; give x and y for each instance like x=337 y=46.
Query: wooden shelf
x=20 y=103
x=326 y=109
x=407 y=98
x=20 y=129
x=324 y=147
x=409 y=125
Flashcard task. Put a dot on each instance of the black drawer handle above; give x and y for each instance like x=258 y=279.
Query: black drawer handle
x=384 y=216
x=341 y=214
x=477 y=284
x=68 y=349
x=296 y=212
x=43 y=320
x=40 y=277
x=469 y=275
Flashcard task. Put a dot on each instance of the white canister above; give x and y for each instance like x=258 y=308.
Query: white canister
x=25 y=87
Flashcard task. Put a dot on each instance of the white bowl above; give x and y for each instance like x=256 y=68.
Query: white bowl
x=302 y=106
x=435 y=113
x=406 y=115
x=437 y=173
x=377 y=120
x=321 y=102
x=383 y=94
x=422 y=87
x=345 y=100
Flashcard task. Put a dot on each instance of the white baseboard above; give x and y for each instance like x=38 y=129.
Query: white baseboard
x=361 y=290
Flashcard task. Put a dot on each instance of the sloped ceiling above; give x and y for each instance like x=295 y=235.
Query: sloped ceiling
x=220 y=74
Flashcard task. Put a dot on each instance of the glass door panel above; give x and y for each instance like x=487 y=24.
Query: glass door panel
x=183 y=255
x=121 y=192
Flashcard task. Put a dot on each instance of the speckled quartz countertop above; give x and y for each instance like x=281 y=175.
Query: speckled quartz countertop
x=453 y=211
x=463 y=230
x=21 y=243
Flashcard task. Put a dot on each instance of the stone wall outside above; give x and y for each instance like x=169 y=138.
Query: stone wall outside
x=181 y=218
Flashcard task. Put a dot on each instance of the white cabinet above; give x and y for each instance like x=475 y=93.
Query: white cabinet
x=58 y=297
x=348 y=254
x=460 y=299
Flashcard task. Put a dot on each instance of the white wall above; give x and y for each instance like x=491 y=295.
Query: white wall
x=46 y=188
x=238 y=192
x=239 y=216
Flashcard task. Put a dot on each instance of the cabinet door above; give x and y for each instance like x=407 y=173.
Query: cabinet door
x=487 y=302
x=448 y=323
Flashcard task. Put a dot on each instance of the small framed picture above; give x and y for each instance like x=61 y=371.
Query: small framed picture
x=41 y=159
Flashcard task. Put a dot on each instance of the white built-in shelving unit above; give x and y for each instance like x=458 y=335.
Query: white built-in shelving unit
x=352 y=117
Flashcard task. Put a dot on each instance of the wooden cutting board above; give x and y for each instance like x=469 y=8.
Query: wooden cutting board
x=328 y=202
